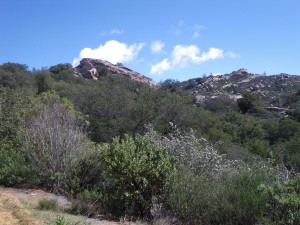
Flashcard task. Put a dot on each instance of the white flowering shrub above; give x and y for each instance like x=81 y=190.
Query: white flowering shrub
x=194 y=153
x=214 y=188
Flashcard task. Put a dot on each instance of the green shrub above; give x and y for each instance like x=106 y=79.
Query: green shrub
x=248 y=102
x=15 y=170
x=87 y=174
x=136 y=172
x=48 y=204
x=186 y=198
x=80 y=207
x=60 y=220
x=283 y=204
x=88 y=203
x=195 y=199
x=259 y=147
x=87 y=185
x=243 y=202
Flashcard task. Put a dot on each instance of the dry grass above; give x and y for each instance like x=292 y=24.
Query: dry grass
x=20 y=207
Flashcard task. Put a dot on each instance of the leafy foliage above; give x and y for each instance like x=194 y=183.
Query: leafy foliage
x=138 y=171
x=16 y=170
x=283 y=201
x=12 y=108
x=17 y=77
x=44 y=81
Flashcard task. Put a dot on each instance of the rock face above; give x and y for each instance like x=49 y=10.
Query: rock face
x=95 y=68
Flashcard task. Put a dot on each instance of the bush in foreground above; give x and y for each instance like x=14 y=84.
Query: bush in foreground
x=283 y=204
x=137 y=171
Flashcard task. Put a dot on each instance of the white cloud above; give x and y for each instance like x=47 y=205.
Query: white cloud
x=157 y=46
x=160 y=67
x=114 y=31
x=197 y=28
x=232 y=54
x=212 y=54
x=196 y=34
x=112 y=51
x=217 y=74
x=177 y=29
x=182 y=56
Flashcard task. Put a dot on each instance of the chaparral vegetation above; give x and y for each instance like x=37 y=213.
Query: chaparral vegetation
x=157 y=153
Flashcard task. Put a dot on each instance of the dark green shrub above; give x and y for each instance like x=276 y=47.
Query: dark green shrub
x=15 y=170
x=259 y=147
x=87 y=185
x=136 y=172
x=248 y=102
x=87 y=174
x=221 y=104
x=243 y=202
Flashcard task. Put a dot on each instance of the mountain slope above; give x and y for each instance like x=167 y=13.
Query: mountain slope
x=95 y=68
x=269 y=88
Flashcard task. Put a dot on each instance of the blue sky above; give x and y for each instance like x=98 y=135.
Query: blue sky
x=177 y=39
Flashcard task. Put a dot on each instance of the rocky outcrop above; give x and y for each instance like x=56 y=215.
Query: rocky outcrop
x=95 y=68
x=269 y=88
x=277 y=109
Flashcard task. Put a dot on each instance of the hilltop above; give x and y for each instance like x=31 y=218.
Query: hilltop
x=269 y=88
x=95 y=68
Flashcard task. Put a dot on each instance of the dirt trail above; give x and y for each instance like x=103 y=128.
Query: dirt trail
x=12 y=211
x=19 y=207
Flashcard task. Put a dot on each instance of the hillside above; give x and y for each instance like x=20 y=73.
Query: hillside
x=272 y=89
x=118 y=148
x=269 y=88
x=95 y=68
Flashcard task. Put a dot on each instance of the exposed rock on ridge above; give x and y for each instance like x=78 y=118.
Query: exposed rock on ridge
x=233 y=84
x=94 y=68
